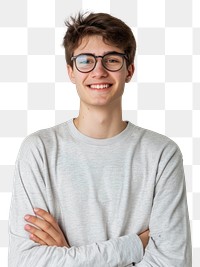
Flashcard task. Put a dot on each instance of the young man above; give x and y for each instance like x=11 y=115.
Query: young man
x=106 y=192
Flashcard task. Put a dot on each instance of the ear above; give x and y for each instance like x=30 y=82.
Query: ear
x=71 y=73
x=130 y=71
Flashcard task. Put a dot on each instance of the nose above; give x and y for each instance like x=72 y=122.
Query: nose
x=99 y=70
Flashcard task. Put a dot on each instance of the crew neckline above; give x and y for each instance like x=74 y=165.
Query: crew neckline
x=98 y=141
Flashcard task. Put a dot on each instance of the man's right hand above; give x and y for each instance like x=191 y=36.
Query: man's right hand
x=46 y=230
x=144 y=238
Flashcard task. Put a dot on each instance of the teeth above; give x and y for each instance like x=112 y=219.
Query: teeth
x=99 y=86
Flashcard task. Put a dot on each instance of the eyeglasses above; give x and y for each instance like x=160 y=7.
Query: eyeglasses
x=112 y=61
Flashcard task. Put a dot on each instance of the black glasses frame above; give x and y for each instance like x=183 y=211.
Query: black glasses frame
x=124 y=56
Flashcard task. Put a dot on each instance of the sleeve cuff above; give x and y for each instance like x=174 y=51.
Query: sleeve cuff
x=130 y=249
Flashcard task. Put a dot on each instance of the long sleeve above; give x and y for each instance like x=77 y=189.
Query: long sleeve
x=31 y=190
x=170 y=241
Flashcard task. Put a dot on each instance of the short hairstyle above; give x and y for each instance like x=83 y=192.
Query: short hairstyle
x=113 y=30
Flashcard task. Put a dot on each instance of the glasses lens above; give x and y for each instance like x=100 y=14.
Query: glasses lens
x=85 y=63
x=113 y=62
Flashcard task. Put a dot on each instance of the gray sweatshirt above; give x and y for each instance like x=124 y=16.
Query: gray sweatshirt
x=103 y=193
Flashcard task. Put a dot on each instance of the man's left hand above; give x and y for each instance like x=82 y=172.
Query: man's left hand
x=46 y=230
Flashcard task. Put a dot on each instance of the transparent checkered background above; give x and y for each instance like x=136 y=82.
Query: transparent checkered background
x=164 y=96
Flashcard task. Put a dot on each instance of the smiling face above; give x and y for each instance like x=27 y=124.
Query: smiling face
x=99 y=87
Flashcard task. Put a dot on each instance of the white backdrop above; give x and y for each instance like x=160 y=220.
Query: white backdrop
x=164 y=95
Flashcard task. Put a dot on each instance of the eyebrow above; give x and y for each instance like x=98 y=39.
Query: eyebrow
x=107 y=52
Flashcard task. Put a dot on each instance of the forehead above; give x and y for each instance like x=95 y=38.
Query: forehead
x=96 y=45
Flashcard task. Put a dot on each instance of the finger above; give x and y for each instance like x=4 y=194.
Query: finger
x=51 y=220
x=47 y=217
x=37 y=239
x=45 y=237
x=43 y=225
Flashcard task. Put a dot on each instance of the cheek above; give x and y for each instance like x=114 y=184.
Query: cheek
x=80 y=78
x=80 y=84
x=121 y=77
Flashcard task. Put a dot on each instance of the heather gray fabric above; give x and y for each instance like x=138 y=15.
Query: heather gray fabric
x=102 y=192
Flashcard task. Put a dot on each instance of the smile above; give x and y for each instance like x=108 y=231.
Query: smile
x=99 y=86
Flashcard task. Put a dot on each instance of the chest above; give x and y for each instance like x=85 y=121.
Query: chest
x=106 y=192
x=102 y=175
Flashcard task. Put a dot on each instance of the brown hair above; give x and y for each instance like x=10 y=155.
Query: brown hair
x=112 y=29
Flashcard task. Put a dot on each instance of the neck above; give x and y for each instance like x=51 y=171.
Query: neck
x=100 y=122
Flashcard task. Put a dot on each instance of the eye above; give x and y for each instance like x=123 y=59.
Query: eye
x=85 y=60
x=112 y=59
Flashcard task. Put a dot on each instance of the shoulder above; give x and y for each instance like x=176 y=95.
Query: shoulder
x=160 y=151
x=39 y=141
x=152 y=141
